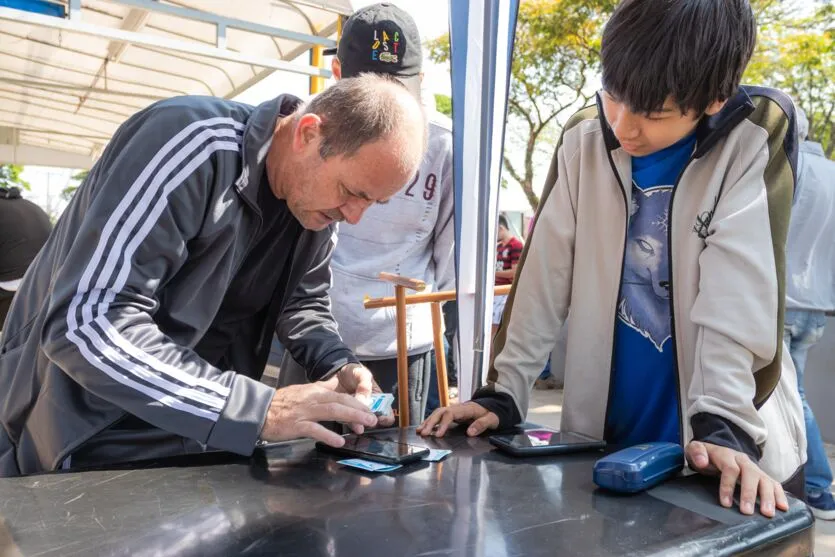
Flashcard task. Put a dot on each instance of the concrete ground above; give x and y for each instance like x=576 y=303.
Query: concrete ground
x=546 y=409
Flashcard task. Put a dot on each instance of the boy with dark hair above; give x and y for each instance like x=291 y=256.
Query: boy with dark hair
x=663 y=226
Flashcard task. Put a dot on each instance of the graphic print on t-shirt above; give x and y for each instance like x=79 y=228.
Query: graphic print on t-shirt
x=645 y=298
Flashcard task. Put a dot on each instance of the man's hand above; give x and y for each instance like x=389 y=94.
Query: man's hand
x=442 y=418
x=733 y=466
x=357 y=381
x=296 y=410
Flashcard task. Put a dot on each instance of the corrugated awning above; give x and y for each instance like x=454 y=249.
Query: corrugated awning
x=68 y=81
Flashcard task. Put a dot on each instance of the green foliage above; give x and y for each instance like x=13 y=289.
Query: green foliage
x=556 y=55
x=796 y=54
x=556 y=52
x=443 y=104
x=79 y=177
x=10 y=177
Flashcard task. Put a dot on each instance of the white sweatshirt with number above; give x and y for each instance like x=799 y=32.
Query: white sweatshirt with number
x=412 y=235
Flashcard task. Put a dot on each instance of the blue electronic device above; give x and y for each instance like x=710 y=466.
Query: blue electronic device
x=639 y=467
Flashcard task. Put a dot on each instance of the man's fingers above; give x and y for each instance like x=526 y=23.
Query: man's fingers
x=324 y=396
x=339 y=412
x=386 y=420
x=490 y=421
x=318 y=432
x=331 y=384
x=364 y=383
x=750 y=480
x=767 y=492
x=727 y=482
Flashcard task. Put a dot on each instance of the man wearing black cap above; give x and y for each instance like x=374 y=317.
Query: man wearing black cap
x=412 y=235
x=380 y=38
x=24 y=228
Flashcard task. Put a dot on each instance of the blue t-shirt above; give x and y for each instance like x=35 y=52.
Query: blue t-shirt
x=644 y=401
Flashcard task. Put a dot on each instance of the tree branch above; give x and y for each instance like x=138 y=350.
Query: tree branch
x=511 y=170
x=524 y=112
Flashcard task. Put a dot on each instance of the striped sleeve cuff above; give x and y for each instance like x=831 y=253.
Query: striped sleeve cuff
x=243 y=417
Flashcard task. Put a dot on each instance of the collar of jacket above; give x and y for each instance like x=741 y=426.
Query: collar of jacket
x=258 y=136
x=709 y=130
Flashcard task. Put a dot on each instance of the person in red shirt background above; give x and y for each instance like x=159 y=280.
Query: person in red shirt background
x=508 y=252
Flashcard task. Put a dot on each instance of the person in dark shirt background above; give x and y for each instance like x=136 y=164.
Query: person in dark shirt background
x=24 y=228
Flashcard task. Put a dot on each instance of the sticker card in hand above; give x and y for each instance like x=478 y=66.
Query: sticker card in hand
x=381 y=403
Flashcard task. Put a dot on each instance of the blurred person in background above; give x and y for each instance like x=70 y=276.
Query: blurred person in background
x=810 y=293
x=508 y=251
x=24 y=228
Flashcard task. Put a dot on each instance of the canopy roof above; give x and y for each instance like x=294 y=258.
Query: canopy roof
x=72 y=71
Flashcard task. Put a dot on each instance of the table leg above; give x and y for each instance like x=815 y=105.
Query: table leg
x=402 y=357
x=440 y=355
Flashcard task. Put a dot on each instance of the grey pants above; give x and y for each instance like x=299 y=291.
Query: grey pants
x=384 y=372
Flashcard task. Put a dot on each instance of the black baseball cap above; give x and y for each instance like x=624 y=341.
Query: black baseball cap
x=381 y=38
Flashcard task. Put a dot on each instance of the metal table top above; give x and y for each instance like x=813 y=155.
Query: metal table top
x=291 y=500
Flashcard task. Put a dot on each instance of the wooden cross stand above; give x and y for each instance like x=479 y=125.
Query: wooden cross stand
x=400 y=301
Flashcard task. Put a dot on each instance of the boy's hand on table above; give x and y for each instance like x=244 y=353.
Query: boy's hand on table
x=732 y=467
x=441 y=419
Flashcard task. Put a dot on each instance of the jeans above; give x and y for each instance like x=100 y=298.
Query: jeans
x=420 y=373
x=801 y=331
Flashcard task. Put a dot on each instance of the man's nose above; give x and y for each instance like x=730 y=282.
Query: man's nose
x=353 y=210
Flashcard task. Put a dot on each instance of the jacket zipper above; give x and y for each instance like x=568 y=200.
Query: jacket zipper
x=669 y=291
x=671 y=298
x=620 y=291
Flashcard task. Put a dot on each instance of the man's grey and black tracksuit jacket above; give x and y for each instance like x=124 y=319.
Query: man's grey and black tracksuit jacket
x=158 y=293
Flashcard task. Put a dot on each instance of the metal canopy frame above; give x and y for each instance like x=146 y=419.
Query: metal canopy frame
x=67 y=83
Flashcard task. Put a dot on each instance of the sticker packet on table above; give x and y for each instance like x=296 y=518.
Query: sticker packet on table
x=369 y=466
x=436 y=454
x=381 y=403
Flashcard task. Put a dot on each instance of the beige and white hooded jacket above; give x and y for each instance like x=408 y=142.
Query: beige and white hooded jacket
x=729 y=217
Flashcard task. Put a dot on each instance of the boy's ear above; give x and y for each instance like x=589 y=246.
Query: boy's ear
x=715 y=107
